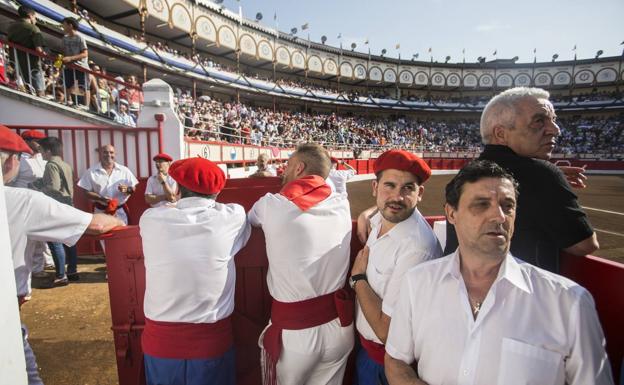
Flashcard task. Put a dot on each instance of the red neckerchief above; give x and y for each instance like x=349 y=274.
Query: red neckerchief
x=306 y=192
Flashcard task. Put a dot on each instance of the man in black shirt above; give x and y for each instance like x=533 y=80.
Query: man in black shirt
x=519 y=130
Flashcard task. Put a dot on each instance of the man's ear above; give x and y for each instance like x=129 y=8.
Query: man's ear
x=450 y=213
x=421 y=190
x=300 y=169
x=500 y=134
x=374 y=185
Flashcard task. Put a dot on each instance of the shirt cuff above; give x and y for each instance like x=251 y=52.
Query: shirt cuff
x=396 y=354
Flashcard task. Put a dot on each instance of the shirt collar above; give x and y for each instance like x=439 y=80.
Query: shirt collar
x=510 y=271
x=115 y=166
x=190 y=202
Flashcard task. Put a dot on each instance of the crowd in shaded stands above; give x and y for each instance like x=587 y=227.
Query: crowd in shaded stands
x=207 y=119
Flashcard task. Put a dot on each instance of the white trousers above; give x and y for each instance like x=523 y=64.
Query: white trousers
x=41 y=256
x=314 y=356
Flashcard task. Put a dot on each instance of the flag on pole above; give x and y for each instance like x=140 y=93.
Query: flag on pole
x=366 y=42
x=574 y=49
x=495 y=52
x=305 y=26
x=429 y=49
x=397 y=46
x=275 y=16
x=339 y=35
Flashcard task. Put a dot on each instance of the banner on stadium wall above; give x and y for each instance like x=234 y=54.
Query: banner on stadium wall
x=233 y=153
x=207 y=151
x=251 y=153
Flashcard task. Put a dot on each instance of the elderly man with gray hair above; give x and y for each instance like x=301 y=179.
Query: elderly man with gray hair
x=519 y=129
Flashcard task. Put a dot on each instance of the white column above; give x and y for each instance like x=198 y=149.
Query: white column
x=158 y=99
x=12 y=364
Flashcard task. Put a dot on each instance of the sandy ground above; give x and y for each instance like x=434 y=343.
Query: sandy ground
x=70 y=326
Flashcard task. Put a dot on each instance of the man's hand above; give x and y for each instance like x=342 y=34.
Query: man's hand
x=575 y=175
x=125 y=189
x=363 y=224
x=361 y=262
x=162 y=178
x=67 y=59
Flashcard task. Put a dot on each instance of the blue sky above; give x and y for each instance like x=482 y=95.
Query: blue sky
x=512 y=28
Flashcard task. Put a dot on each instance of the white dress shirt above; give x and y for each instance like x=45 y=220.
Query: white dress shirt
x=407 y=244
x=31 y=168
x=337 y=179
x=155 y=187
x=189 y=259
x=36 y=217
x=534 y=327
x=96 y=179
x=308 y=251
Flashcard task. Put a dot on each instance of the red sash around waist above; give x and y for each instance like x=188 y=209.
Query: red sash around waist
x=302 y=315
x=375 y=350
x=185 y=341
x=112 y=207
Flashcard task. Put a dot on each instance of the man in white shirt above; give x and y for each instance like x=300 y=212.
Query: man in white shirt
x=161 y=188
x=338 y=179
x=108 y=184
x=189 y=280
x=31 y=170
x=34 y=216
x=400 y=239
x=308 y=233
x=265 y=169
x=481 y=316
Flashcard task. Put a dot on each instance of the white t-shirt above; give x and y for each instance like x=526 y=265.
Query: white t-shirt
x=407 y=244
x=155 y=187
x=308 y=251
x=189 y=259
x=337 y=179
x=96 y=179
x=31 y=168
x=34 y=216
x=534 y=327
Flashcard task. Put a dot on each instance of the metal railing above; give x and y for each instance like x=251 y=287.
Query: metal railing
x=45 y=75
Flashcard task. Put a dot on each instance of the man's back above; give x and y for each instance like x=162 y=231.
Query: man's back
x=189 y=259
x=308 y=251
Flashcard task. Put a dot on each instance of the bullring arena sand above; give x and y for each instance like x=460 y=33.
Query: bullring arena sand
x=70 y=326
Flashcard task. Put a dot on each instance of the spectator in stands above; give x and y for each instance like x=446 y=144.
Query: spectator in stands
x=122 y=117
x=75 y=52
x=109 y=184
x=161 y=188
x=400 y=239
x=25 y=33
x=58 y=184
x=337 y=179
x=31 y=214
x=189 y=280
x=486 y=317
x=519 y=130
x=307 y=217
x=105 y=96
x=133 y=95
x=265 y=169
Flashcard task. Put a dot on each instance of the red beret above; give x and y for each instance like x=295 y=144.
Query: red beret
x=10 y=141
x=198 y=174
x=163 y=156
x=403 y=161
x=33 y=134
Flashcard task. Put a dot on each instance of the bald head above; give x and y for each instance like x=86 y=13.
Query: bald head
x=107 y=155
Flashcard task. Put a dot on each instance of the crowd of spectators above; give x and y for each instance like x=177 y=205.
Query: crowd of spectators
x=212 y=120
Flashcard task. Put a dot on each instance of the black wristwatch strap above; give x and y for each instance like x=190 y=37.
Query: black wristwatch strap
x=357 y=277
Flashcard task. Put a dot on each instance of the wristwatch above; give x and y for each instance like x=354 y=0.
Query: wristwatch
x=357 y=277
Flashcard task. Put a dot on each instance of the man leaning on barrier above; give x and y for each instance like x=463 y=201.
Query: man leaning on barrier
x=25 y=33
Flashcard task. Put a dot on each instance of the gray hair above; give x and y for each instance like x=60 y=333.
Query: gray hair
x=502 y=109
